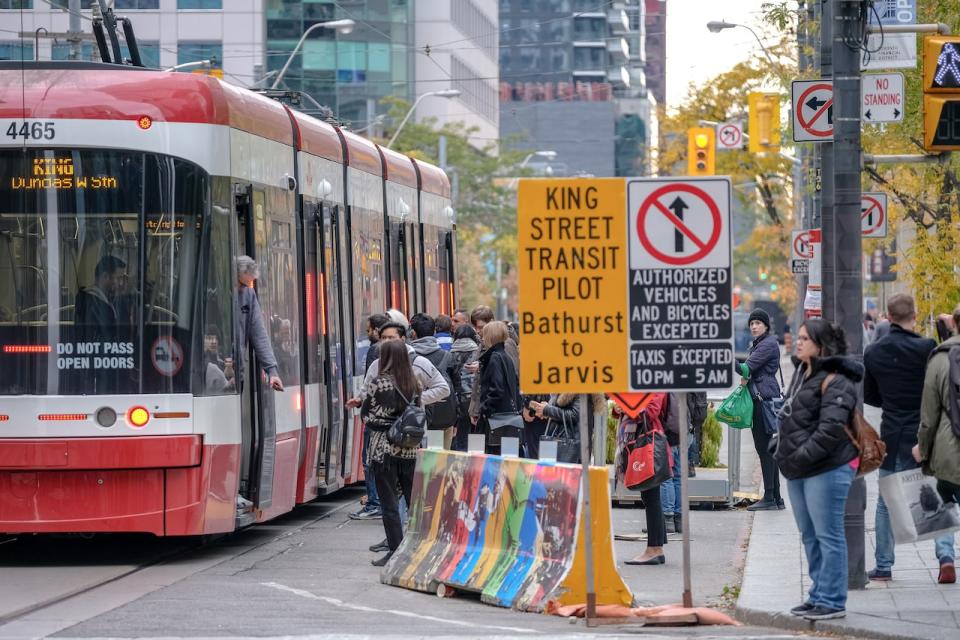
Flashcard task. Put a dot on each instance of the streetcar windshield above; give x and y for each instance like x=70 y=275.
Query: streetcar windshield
x=98 y=260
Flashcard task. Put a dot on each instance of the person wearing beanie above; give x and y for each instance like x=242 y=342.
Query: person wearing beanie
x=759 y=373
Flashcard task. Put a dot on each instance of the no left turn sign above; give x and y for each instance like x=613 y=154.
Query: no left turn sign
x=873 y=215
x=812 y=106
x=730 y=135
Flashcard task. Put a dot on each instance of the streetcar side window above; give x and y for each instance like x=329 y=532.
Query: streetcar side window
x=217 y=370
x=282 y=296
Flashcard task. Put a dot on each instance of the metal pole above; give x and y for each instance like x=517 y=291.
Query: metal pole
x=801 y=169
x=684 y=496
x=847 y=286
x=74 y=30
x=828 y=237
x=591 y=613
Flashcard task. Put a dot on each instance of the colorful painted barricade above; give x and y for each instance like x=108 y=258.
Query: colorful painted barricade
x=504 y=527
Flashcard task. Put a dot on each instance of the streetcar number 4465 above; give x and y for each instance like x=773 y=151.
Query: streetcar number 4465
x=31 y=130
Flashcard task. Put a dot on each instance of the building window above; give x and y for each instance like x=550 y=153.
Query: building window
x=16 y=50
x=137 y=4
x=472 y=22
x=478 y=94
x=16 y=4
x=197 y=51
x=199 y=4
x=61 y=51
x=64 y=4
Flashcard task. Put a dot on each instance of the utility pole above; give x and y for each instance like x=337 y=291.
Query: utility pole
x=76 y=52
x=843 y=293
x=828 y=237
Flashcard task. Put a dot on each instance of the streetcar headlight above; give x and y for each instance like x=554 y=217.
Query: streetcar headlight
x=138 y=416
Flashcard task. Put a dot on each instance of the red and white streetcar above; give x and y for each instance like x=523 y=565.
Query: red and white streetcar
x=126 y=402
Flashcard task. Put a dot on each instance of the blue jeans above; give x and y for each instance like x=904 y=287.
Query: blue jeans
x=373 y=500
x=818 y=503
x=885 y=555
x=670 y=490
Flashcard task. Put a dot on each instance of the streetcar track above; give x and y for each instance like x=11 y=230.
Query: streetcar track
x=170 y=555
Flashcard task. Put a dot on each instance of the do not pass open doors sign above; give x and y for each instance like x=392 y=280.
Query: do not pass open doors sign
x=625 y=285
x=572 y=248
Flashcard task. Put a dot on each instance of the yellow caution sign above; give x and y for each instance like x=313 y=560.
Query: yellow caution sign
x=572 y=238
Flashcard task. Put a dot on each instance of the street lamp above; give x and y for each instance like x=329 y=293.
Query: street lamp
x=342 y=26
x=716 y=26
x=443 y=93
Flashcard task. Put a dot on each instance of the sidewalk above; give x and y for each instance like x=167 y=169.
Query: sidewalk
x=911 y=606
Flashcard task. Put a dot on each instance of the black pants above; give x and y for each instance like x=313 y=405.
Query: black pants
x=656 y=529
x=531 y=437
x=463 y=432
x=388 y=474
x=768 y=465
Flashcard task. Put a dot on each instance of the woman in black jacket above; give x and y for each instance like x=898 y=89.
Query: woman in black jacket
x=761 y=368
x=818 y=459
x=386 y=397
x=464 y=351
x=499 y=386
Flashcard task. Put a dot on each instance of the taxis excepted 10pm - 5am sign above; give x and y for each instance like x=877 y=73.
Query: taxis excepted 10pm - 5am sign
x=572 y=248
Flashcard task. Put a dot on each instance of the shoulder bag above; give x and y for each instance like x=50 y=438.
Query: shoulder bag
x=871 y=449
x=504 y=419
x=650 y=460
x=568 y=448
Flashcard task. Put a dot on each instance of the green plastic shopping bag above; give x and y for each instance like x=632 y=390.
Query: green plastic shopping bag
x=736 y=410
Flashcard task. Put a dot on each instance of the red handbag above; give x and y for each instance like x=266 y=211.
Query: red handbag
x=650 y=462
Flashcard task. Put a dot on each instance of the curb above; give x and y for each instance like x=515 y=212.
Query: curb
x=855 y=624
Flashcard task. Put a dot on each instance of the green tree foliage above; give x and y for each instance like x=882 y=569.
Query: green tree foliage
x=484 y=199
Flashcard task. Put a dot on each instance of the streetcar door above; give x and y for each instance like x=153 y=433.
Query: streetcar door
x=258 y=429
x=332 y=352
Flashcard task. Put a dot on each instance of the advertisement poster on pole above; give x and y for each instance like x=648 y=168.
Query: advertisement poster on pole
x=891 y=50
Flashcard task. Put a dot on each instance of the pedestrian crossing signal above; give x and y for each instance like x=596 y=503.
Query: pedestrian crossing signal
x=941 y=93
x=701 y=151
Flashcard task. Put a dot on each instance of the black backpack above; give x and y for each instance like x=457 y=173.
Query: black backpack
x=953 y=358
x=408 y=429
x=443 y=414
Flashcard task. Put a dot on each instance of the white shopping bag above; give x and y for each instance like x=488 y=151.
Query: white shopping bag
x=916 y=510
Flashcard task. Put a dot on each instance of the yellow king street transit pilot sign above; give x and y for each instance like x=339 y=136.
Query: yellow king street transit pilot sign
x=573 y=278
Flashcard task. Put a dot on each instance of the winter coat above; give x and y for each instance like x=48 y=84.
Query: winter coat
x=499 y=386
x=939 y=448
x=463 y=352
x=373 y=353
x=383 y=403
x=764 y=363
x=812 y=439
x=893 y=381
x=434 y=387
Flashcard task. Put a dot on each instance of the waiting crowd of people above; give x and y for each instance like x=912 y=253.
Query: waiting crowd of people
x=807 y=433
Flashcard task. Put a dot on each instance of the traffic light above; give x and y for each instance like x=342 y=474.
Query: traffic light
x=941 y=93
x=764 y=122
x=701 y=151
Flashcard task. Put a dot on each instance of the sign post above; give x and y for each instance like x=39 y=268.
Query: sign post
x=572 y=245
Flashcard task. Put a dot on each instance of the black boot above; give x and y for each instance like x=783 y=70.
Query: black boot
x=678 y=522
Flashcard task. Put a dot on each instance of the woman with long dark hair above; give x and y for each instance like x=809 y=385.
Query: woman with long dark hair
x=818 y=458
x=386 y=397
x=761 y=379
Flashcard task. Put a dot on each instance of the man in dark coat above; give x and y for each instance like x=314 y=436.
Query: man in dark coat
x=895 y=366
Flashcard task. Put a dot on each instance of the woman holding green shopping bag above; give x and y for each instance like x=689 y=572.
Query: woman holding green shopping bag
x=760 y=375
